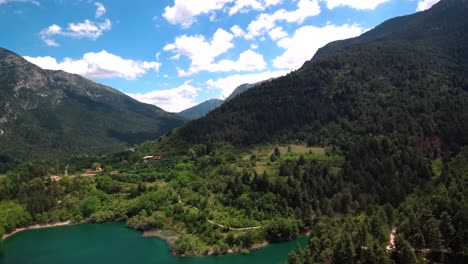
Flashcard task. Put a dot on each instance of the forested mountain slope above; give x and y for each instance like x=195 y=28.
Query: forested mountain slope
x=52 y=114
x=406 y=85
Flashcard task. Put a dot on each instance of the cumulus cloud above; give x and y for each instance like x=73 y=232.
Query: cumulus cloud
x=97 y=65
x=426 y=4
x=238 y=32
x=100 y=9
x=203 y=53
x=307 y=40
x=171 y=100
x=277 y=33
x=247 y=5
x=228 y=84
x=241 y=5
x=184 y=12
x=86 y=29
x=248 y=61
x=266 y=22
x=356 y=4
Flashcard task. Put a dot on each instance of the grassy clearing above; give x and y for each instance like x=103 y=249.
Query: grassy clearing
x=157 y=183
x=300 y=149
x=262 y=156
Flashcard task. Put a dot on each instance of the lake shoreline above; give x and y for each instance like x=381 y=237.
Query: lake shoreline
x=37 y=226
x=153 y=233
x=110 y=242
x=157 y=233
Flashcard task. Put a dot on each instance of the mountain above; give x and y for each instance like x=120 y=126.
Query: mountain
x=201 y=109
x=406 y=78
x=52 y=114
x=244 y=87
x=240 y=89
x=434 y=25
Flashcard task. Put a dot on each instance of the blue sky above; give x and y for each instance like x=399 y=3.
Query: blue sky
x=177 y=53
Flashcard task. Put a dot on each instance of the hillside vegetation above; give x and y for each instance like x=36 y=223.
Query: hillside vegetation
x=365 y=147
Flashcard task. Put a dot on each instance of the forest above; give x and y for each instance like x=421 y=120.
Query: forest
x=216 y=198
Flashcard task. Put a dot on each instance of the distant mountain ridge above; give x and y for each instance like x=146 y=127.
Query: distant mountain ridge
x=53 y=114
x=201 y=109
x=244 y=87
x=240 y=89
x=204 y=108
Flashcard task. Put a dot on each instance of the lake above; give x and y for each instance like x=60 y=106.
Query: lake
x=115 y=243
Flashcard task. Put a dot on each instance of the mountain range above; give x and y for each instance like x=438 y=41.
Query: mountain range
x=52 y=114
x=204 y=108
x=365 y=147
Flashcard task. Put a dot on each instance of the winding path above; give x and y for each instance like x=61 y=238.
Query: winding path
x=218 y=224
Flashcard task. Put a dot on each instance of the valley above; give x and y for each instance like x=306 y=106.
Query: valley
x=363 y=150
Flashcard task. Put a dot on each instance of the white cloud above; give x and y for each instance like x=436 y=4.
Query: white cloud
x=98 y=65
x=266 y=22
x=86 y=29
x=426 y=4
x=356 y=4
x=247 y=5
x=100 y=9
x=307 y=40
x=20 y=1
x=248 y=61
x=176 y=57
x=184 y=11
x=241 y=5
x=172 y=100
x=238 y=32
x=277 y=33
x=228 y=84
x=271 y=2
x=201 y=52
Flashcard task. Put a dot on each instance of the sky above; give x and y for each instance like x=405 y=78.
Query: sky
x=178 y=53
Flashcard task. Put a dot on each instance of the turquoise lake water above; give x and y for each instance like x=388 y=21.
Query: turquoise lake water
x=115 y=243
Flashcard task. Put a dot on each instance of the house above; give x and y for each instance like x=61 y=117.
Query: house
x=55 y=178
x=152 y=158
x=52 y=178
